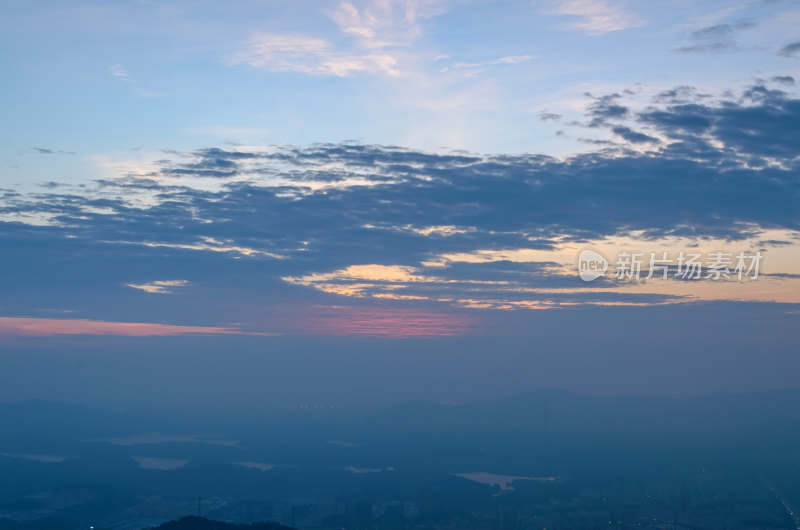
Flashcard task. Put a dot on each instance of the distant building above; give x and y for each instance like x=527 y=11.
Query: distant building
x=360 y=515
x=430 y=505
x=394 y=514
x=508 y=519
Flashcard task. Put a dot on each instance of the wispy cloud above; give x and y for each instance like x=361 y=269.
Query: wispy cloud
x=372 y=33
x=208 y=244
x=513 y=59
x=159 y=287
x=719 y=38
x=376 y=37
x=307 y=55
x=45 y=327
x=382 y=322
x=380 y=23
x=119 y=72
x=510 y=59
x=594 y=17
x=47 y=151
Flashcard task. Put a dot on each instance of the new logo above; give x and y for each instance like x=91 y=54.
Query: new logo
x=591 y=265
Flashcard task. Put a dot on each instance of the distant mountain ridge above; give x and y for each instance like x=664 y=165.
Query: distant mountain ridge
x=555 y=411
x=561 y=411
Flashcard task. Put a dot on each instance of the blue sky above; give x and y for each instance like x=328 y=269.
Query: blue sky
x=268 y=175
x=98 y=77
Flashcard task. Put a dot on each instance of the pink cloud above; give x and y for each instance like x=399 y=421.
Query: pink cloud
x=386 y=322
x=45 y=327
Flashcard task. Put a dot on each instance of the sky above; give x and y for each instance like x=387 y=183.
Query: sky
x=376 y=201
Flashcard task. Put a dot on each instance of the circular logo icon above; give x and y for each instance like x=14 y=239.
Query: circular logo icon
x=591 y=265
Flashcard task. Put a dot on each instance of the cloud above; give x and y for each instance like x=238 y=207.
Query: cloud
x=783 y=79
x=549 y=116
x=46 y=151
x=314 y=56
x=379 y=24
x=633 y=136
x=715 y=39
x=511 y=59
x=606 y=108
x=440 y=230
x=395 y=227
x=206 y=243
x=365 y=280
x=514 y=59
x=680 y=94
x=750 y=132
x=159 y=287
x=474 y=67
x=749 y=143
x=790 y=50
x=373 y=35
x=352 y=22
x=46 y=327
x=596 y=17
x=382 y=322
x=119 y=72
